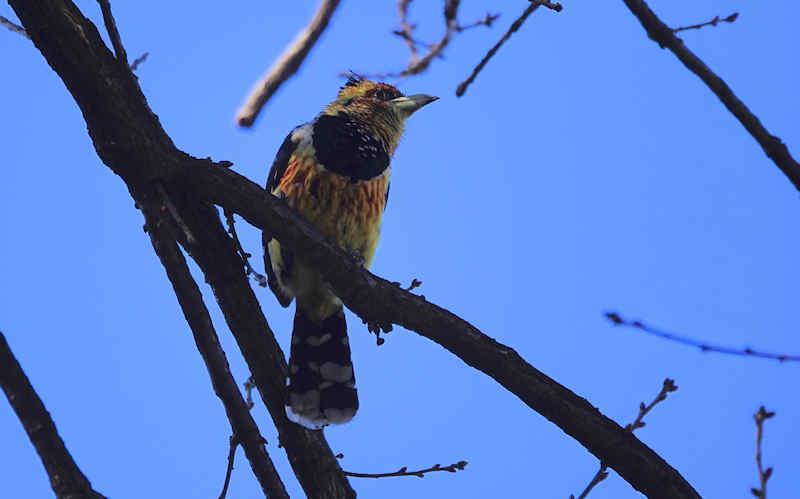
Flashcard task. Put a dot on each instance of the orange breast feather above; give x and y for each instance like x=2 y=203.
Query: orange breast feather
x=349 y=212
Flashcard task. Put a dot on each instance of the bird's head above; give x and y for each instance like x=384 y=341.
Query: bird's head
x=379 y=107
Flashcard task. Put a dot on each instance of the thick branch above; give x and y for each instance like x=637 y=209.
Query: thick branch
x=309 y=454
x=194 y=310
x=381 y=302
x=666 y=38
x=286 y=65
x=66 y=478
x=129 y=139
x=126 y=133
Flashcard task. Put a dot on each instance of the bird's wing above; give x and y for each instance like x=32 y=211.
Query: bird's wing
x=276 y=172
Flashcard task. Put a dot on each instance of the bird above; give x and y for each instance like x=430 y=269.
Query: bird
x=334 y=171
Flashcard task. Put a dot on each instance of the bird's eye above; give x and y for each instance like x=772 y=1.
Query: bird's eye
x=385 y=95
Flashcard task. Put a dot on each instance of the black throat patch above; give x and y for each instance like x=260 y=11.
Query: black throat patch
x=346 y=147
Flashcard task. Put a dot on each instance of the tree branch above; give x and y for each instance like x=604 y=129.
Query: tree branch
x=286 y=65
x=309 y=454
x=515 y=26
x=763 y=474
x=194 y=310
x=129 y=139
x=618 y=320
x=233 y=444
x=113 y=32
x=417 y=64
x=66 y=478
x=659 y=32
x=729 y=19
x=8 y=23
x=667 y=387
x=451 y=468
x=381 y=302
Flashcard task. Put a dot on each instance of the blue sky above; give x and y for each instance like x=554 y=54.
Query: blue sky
x=585 y=170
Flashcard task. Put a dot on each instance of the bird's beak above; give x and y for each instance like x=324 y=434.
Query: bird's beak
x=408 y=105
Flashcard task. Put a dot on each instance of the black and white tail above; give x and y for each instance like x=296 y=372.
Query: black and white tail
x=322 y=386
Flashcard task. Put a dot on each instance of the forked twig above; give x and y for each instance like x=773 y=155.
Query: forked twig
x=602 y=473
x=418 y=64
x=249 y=270
x=662 y=34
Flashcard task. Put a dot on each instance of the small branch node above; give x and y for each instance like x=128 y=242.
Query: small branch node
x=245 y=256
x=452 y=468
x=617 y=320
x=728 y=19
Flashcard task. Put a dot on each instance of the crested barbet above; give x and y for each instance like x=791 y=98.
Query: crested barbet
x=335 y=172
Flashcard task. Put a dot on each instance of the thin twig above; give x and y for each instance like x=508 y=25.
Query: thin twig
x=667 y=387
x=731 y=18
x=176 y=216
x=772 y=145
x=405 y=472
x=286 y=65
x=618 y=320
x=417 y=64
x=66 y=479
x=113 y=32
x=554 y=6
x=249 y=270
x=763 y=474
x=530 y=9
x=415 y=283
x=407 y=29
x=234 y=443
x=16 y=28
x=139 y=60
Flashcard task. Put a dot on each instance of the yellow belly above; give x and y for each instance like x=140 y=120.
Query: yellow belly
x=349 y=212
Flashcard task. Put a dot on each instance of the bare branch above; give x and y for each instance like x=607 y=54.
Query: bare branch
x=234 y=442
x=763 y=474
x=194 y=310
x=617 y=320
x=452 y=468
x=138 y=149
x=16 y=28
x=248 y=269
x=66 y=478
x=667 y=387
x=659 y=32
x=286 y=65
x=515 y=26
x=381 y=302
x=417 y=64
x=113 y=32
x=730 y=19
x=136 y=62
